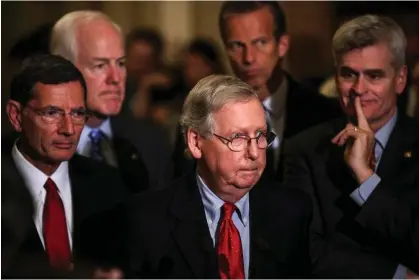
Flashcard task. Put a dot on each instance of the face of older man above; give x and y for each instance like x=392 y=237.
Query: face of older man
x=101 y=59
x=231 y=174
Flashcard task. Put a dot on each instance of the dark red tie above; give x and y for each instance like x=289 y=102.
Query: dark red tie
x=230 y=254
x=55 y=228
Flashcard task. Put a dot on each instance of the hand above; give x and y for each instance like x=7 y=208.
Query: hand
x=113 y=273
x=360 y=143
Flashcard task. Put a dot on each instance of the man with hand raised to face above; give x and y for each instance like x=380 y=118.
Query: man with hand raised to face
x=221 y=220
x=352 y=166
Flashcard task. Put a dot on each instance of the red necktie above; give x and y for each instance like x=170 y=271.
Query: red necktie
x=55 y=229
x=230 y=254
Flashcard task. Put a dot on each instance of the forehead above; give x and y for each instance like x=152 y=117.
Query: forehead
x=240 y=115
x=372 y=57
x=69 y=94
x=250 y=25
x=99 y=39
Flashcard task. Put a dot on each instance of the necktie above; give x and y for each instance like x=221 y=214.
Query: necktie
x=96 y=136
x=55 y=228
x=376 y=154
x=230 y=254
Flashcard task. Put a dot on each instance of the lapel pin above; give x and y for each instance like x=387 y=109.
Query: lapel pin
x=134 y=156
x=408 y=154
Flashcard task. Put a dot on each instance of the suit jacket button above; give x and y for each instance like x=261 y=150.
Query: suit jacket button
x=134 y=156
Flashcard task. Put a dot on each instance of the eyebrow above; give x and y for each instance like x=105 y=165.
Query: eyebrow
x=366 y=71
x=106 y=59
x=52 y=107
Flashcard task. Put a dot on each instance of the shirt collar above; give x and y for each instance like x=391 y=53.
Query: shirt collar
x=34 y=178
x=275 y=103
x=383 y=134
x=213 y=204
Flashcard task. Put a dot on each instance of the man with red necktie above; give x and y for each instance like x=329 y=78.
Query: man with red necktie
x=47 y=109
x=221 y=221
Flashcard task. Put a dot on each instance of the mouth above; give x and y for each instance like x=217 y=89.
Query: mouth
x=63 y=145
x=112 y=93
x=249 y=170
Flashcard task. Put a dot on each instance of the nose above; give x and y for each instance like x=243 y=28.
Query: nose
x=248 y=55
x=114 y=75
x=67 y=125
x=359 y=86
x=253 y=150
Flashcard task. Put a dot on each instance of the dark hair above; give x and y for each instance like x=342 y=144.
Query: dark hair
x=151 y=36
x=244 y=7
x=45 y=69
x=208 y=51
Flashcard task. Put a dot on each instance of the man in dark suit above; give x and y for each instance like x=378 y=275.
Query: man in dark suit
x=69 y=193
x=256 y=41
x=220 y=220
x=139 y=149
x=356 y=167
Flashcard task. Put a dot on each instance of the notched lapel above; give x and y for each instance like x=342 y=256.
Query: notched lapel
x=265 y=260
x=191 y=232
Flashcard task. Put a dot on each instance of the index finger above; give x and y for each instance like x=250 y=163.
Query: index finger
x=362 y=120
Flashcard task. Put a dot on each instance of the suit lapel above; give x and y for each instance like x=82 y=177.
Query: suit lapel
x=191 y=232
x=401 y=141
x=264 y=260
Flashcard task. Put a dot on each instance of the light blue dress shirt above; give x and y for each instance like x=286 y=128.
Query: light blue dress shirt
x=361 y=194
x=212 y=206
x=83 y=148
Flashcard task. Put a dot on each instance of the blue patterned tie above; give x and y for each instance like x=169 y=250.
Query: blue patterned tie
x=96 y=136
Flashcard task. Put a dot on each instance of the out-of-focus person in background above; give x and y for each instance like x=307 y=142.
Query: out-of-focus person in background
x=221 y=220
x=139 y=149
x=47 y=107
x=145 y=68
x=355 y=166
x=200 y=59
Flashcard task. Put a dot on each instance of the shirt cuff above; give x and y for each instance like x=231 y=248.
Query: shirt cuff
x=361 y=194
x=401 y=272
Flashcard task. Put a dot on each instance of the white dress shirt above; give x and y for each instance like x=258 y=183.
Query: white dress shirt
x=275 y=104
x=35 y=180
x=83 y=148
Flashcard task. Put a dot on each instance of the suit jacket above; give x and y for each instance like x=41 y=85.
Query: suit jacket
x=305 y=108
x=340 y=245
x=96 y=191
x=169 y=235
x=143 y=153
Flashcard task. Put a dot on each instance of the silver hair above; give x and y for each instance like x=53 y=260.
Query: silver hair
x=208 y=96
x=64 y=33
x=369 y=30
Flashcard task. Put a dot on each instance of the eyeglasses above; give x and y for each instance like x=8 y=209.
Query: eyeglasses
x=240 y=143
x=54 y=115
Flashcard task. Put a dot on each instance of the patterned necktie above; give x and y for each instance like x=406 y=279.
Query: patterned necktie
x=375 y=155
x=230 y=254
x=56 y=240
x=96 y=136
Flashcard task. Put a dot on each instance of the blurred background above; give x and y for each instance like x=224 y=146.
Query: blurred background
x=311 y=24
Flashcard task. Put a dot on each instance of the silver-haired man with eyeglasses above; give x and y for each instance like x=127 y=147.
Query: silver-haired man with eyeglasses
x=221 y=221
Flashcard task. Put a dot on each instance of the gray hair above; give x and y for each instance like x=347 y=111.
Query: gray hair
x=369 y=30
x=64 y=33
x=208 y=96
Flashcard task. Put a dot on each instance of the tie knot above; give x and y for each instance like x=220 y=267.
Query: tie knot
x=228 y=210
x=96 y=135
x=50 y=186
